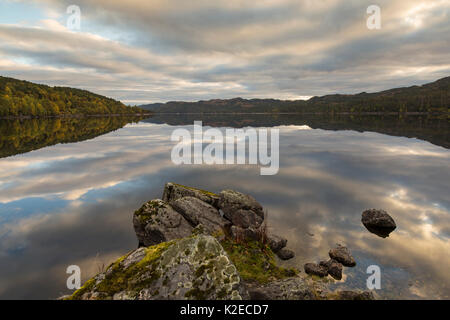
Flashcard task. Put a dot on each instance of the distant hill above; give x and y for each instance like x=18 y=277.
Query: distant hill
x=23 y=98
x=430 y=98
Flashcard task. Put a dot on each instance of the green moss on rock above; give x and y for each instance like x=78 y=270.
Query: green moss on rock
x=196 y=267
x=208 y=193
x=255 y=261
x=150 y=209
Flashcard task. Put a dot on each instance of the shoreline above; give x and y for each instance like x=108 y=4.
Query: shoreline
x=304 y=113
x=77 y=116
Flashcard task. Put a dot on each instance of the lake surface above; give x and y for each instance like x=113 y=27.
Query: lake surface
x=72 y=203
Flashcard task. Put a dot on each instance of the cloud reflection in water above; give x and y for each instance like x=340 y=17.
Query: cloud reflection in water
x=73 y=203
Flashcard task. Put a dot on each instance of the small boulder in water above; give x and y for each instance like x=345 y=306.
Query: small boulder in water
x=378 y=222
x=315 y=269
x=342 y=254
x=285 y=254
x=334 y=268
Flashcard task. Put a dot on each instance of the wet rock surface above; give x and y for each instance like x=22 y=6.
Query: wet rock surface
x=276 y=243
x=285 y=254
x=378 y=222
x=342 y=255
x=316 y=269
x=333 y=267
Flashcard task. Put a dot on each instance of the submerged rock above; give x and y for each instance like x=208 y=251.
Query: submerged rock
x=191 y=268
x=157 y=222
x=378 y=222
x=342 y=255
x=315 y=269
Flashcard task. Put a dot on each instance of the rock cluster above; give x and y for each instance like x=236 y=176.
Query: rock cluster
x=183 y=208
x=340 y=257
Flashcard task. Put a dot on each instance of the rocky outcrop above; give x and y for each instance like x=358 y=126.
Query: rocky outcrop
x=183 y=208
x=194 y=244
x=378 y=222
x=194 y=268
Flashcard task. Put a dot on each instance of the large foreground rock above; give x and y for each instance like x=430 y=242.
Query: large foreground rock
x=378 y=222
x=157 y=222
x=196 y=268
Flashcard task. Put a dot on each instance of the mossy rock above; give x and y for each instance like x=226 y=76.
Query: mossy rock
x=195 y=268
x=174 y=191
x=255 y=261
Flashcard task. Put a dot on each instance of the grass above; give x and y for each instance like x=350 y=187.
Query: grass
x=255 y=261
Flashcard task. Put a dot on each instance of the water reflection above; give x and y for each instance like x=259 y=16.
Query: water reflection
x=73 y=203
x=19 y=136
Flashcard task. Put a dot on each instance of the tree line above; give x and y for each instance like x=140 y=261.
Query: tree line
x=22 y=98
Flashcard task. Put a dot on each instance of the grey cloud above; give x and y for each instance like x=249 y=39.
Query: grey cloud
x=172 y=50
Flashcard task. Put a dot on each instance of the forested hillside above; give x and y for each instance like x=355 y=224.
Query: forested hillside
x=429 y=98
x=22 y=98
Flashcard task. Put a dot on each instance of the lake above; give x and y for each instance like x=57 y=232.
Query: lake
x=69 y=187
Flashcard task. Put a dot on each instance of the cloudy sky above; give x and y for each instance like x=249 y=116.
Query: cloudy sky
x=141 y=51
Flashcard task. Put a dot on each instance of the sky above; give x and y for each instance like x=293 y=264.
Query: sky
x=141 y=51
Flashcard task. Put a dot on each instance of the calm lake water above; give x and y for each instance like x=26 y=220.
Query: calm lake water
x=72 y=203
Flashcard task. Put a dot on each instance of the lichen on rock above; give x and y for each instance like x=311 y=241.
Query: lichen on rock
x=196 y=267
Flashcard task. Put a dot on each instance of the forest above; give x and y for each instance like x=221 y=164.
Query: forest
x=22 y=98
